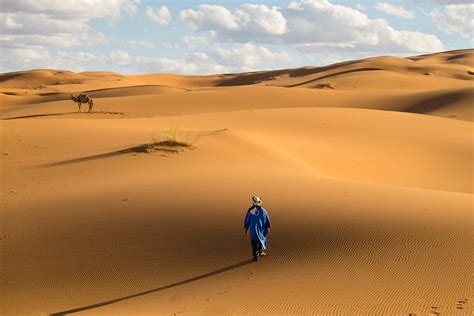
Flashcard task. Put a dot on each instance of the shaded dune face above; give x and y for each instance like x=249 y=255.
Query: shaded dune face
x=365 y=168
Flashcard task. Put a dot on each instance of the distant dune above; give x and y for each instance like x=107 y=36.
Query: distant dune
x=365 y=168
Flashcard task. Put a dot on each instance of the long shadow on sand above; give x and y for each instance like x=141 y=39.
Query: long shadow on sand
x=436 y=102
x=36 y=115
x=196 y=278
x=333 y=75
x=145 y=148
x=254 y=77
x=137 y=149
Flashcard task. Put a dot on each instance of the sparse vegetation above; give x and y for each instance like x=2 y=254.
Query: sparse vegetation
x=325 y=85
x=172 y=140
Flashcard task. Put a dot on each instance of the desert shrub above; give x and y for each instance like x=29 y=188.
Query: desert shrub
x=325 y=85
x=174 y=138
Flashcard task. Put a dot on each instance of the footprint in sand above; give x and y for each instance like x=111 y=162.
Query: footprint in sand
x=435 y=310
x=460 y=304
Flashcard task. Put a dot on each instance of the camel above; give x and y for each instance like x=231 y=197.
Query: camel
x=83 y=98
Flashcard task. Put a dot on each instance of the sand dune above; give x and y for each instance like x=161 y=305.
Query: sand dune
x=368 y=183
x=386 y=83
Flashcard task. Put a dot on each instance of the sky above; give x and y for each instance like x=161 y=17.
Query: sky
x=204 y=37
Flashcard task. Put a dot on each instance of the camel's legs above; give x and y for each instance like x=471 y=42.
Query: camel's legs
x=80 y=107
x=90 y=106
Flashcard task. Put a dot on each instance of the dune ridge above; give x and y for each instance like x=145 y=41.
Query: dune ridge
x=364 y=82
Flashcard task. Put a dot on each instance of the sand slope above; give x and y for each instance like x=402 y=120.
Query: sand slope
x=369 y=189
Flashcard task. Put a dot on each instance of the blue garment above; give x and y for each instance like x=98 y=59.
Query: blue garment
x=258 y=222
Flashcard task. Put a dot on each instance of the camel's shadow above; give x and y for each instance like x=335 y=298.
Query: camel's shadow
x=36 y=115
x=165 y=287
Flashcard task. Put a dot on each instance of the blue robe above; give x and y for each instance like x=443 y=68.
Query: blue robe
x=258 y=222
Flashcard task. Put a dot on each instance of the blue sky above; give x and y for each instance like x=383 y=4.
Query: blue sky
x=203 y=37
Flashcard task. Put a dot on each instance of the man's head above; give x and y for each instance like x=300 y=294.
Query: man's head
x=256 y=201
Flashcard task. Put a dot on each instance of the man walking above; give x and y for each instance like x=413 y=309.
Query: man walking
x=258 y=223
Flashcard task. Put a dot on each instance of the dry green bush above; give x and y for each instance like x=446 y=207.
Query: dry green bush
x=325 y=85
x=174 y=138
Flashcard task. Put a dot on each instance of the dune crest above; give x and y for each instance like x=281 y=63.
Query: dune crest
x=388 y=81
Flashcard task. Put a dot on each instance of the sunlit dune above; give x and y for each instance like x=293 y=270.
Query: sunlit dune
x=365 y=168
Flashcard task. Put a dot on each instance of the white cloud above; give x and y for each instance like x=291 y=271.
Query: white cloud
x=308 y=25
x=455 y=18
x=83 y=10
x=14 y=59
x=319 y=22
x=194 y=43
x=30 y=28
x=195 y=40
x=23 y=23
x=120 y=57
x=193 y=63
x=394 y=10
x=322 y=25
x=260 y=18
x=232 y=58
x=24 y=58
x=43 y=33
x=249 y=20
x=75 y=61
x=131 y=7
x=236 y=58
x=210 y=17
x=250 y=57
x=8 y=22
x=55 y=23
x=81 y=57
x=160 y=15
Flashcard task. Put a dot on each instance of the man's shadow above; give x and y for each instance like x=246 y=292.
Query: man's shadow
x=165 y=287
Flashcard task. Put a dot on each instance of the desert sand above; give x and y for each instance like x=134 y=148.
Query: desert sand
x=365 y=168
